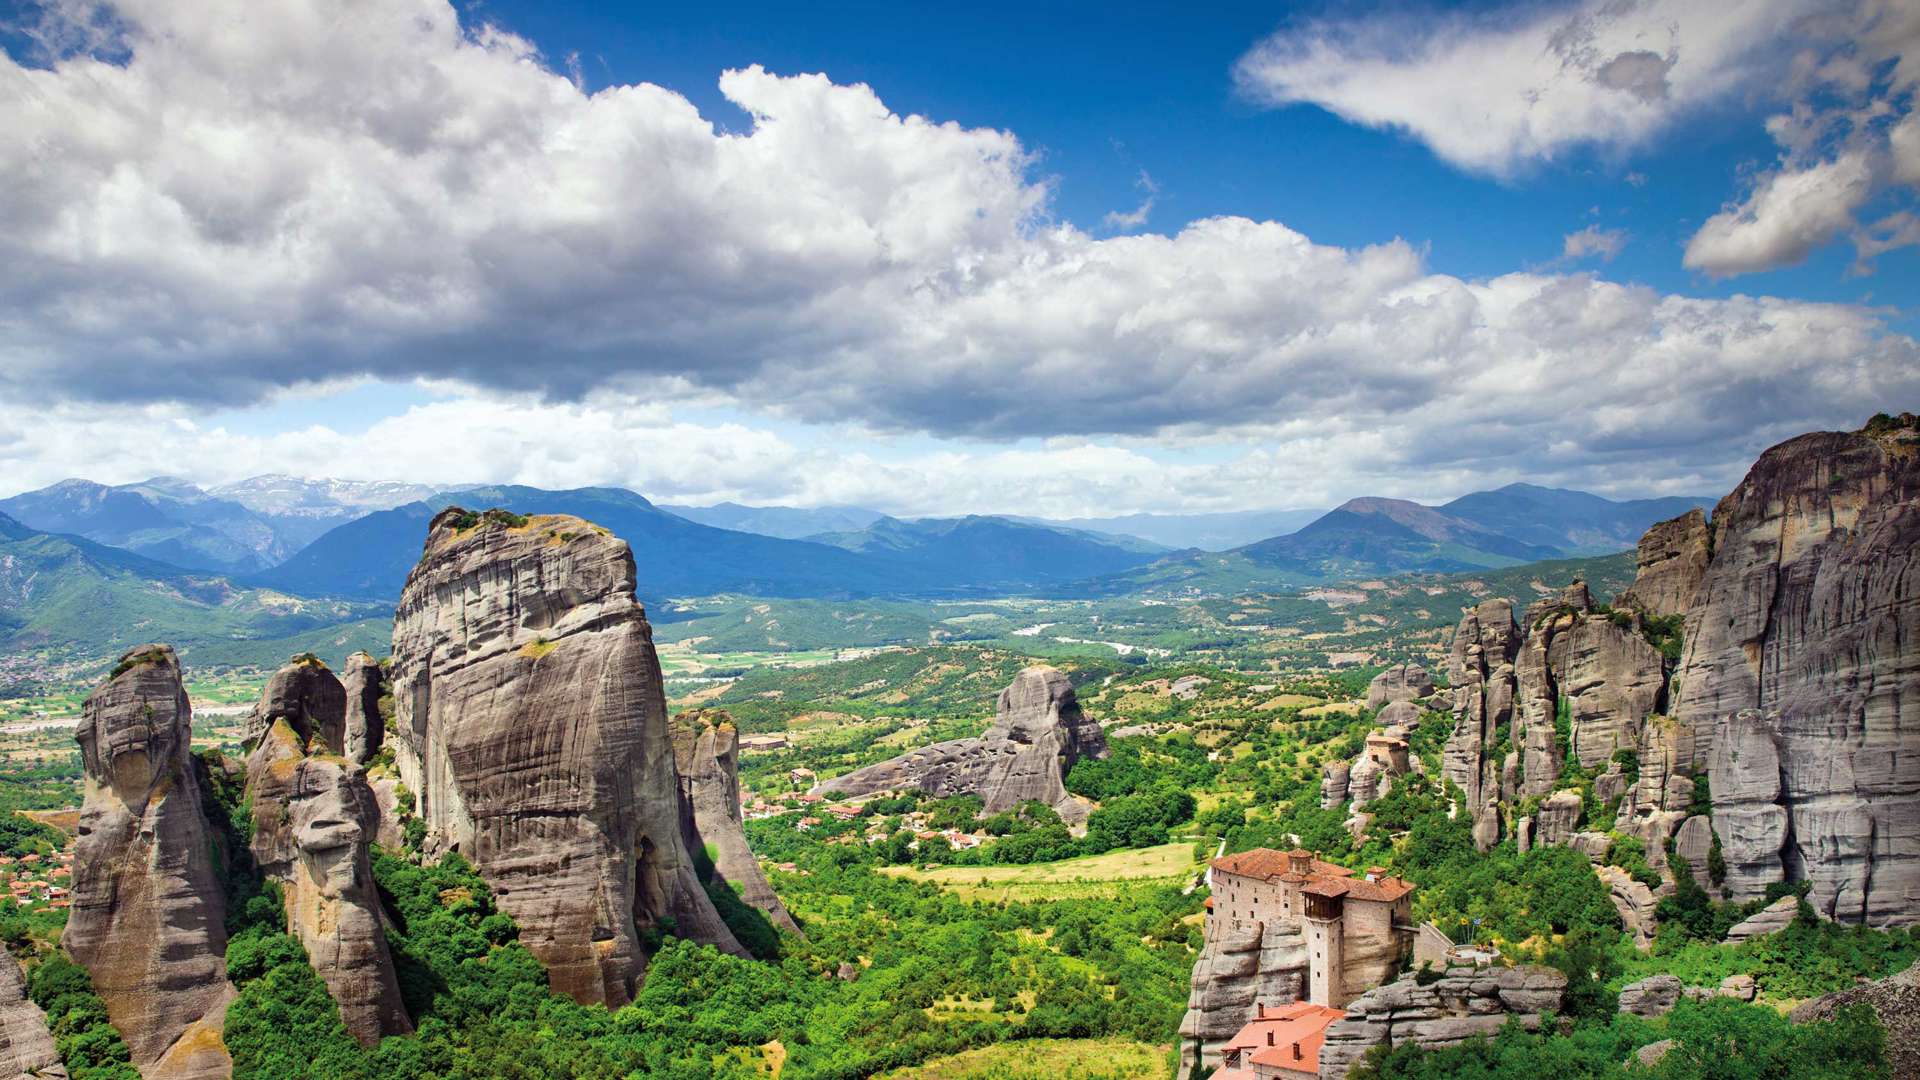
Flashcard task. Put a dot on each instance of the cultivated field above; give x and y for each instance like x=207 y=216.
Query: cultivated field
x=1049 y=1059
x=1094 y=875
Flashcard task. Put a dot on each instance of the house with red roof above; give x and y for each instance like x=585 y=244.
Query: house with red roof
x=1281 y=1043
x=1358 y=927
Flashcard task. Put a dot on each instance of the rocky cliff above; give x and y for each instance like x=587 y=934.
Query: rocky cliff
x=1038 y=732
x=1466 y=1002
x=26 y=1045
x=1479 y=752
x=148 y=915
x=1672 y=560
x=706 y=752
x=365 y=684
x=531 y=725
x=1239 y=969
x=313 y=819
x=1800 y=681
x=309 y=697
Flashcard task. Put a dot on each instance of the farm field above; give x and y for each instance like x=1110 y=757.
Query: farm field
x=1091 y=876
x=1081 y=1059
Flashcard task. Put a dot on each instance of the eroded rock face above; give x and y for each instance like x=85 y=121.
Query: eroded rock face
x=313 y=818
x=1801 y=674
x=1895 y=1000
x=1480 y=670
x=26 y=1044
x=1403 y=682
x=1335 y=781
x=1607 y=676
x=1771 y=919
x=1239 y=969
x=1558 y=818
x=531 y=725
x=365 y=683
x=1655 y=995
x=1635 y=902
x=1038 y=732
x=1465 y=1003
x=706 y=751
x=1672 y=562
x=148 y=916
x=310 y=698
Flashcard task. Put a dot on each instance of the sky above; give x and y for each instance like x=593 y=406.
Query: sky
x=1053 y=259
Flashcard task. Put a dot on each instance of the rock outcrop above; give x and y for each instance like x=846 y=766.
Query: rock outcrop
x=1602 y=673
x=1038 y=732
x=1466 y=1002
x=1335 y=781
x=1479 y=750
x=706 y=751
x=1634 y=901
x=26 y=1044
x=1800 y=679
x=1402 y=682
x=148 y=914
x=1239 y=968
x=1896 y=1001
x=1771 y=919
x=365 y=684
x=1672 y=562
x=309 y=697
x=531 y=725
x=313 y=819
x=1655 y=995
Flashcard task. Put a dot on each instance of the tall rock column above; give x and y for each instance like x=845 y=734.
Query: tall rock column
x=313 y=819
x=365 y=684
x=531 y=724
x=1801 y=674
x=1480 y=670
x=1603 y=671
x=1672 y=560
x=148 y=916
x=706 y=750
x=309 y=697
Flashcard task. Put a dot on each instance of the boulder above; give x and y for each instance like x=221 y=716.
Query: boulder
x=26 y=1044
x=1896 y=1001
x=1594 y=845
x=1367 y=780
x=531 y=726
x=1694 y=843
x=1403 y=682
x=1652 y=996
x=1399 y=718
x=706 y=753
x=1800 y=676
x=1558 y=816
x=1464 y=1003
x=365 y=684
x=148 y=920
x=1038 y=732
x=1738 y=987
x=1774 y=917
x=307 y=695
x=1239 y=969
x=1651 y=1054
x=1635 y=903
x=313 y=819
x=1334 y=784
x=1672 y=562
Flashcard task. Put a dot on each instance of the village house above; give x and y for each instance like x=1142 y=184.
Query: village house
x=1359 y=928
x=1280 y=1043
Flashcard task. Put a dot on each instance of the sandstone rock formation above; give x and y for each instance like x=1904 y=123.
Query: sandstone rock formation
x=1239 y=968
x=1477 y=753
x=313 y=819
x=365 y=684
x=1896 y=1001
x=1771 y=919
x=1403 y=682
x=148 y=915
x=26 y=1045
x=1335 y=781
x=1672 y=561
x=1800 y=679
x=309 y=698
x=1635 y=903
x=531 y=725
x=706 y=751
x=1655 y=995
x=1038 y=732
x=1464 y=1003
x=1605 y=675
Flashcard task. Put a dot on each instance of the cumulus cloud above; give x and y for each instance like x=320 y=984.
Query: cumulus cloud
x=203 y=209
x=1500 y=92
x=1787 y=216
x=1136 y=217
x=1593 y=241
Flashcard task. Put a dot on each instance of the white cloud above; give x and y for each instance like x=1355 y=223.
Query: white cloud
x=1593 y=241
x=1787 y=216
x=1504 y=91
x=1136 y=217
x=231 y=206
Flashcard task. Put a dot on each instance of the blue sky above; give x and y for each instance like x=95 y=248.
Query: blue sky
x=1065 y=259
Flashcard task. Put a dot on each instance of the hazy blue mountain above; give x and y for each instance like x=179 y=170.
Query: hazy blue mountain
x=1385 y=536
x=1208 y=532
x=978 y=553
x=72 y=595
x=301 y=509
x=785 y=522
x=1575 y=522
x=162 y=518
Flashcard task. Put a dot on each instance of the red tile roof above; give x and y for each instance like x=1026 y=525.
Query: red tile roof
x=1270 y=865
x=1271 y=1037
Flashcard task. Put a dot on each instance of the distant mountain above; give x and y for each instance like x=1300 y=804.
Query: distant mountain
x=785 y=522
x=1574 y=522
x=1375 y=537
x=302 y=509
x=1208 y=532
x=162 y=518
x=69 y=595
x=977 y=553
x=372 y=556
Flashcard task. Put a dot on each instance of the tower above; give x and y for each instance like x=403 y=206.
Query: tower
x=1326 y=944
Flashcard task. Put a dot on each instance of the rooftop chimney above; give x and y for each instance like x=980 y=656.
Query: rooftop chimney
x=1296 y=1051
x=1269 y=1038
